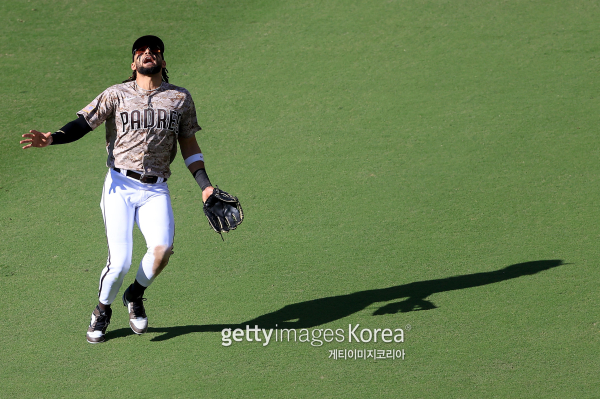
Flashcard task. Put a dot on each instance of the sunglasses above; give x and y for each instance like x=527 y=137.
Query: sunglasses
x=154 y=49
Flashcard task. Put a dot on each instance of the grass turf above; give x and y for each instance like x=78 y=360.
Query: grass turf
x=373 y=144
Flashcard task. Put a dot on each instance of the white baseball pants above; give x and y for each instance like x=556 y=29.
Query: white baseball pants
x=125 y=201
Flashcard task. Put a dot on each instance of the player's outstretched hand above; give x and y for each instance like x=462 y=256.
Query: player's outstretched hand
x=36 y=139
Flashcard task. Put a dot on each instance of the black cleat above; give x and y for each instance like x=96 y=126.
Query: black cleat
x=98 y=325
x=138 y=321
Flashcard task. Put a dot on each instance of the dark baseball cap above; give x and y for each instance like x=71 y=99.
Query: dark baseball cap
x=148 y=40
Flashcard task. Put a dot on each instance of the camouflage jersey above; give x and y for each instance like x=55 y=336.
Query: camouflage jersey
x=142 y=126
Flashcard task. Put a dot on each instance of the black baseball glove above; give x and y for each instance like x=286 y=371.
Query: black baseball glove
x=223 y=211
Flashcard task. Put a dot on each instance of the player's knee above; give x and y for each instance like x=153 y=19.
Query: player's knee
x=162 y=253
x=120 y=264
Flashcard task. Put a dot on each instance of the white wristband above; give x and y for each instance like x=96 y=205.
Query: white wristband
x=194 y=158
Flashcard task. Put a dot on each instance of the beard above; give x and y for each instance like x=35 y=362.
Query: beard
x=149 y=71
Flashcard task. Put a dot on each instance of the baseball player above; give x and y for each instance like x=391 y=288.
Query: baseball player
x=145 y=117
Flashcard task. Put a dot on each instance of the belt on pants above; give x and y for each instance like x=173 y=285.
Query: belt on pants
x=141 y=178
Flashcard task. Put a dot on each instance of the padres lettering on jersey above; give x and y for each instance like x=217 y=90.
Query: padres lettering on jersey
x=142 y=126
x=151 y=118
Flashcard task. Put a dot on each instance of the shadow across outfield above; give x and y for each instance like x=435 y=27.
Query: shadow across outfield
x=325 y=310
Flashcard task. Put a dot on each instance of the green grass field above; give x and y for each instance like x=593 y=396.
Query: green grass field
x=392 y=158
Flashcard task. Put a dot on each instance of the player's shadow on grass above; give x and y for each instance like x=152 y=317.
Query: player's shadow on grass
x=325 y=310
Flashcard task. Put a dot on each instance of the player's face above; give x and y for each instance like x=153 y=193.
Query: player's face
x=147 y=62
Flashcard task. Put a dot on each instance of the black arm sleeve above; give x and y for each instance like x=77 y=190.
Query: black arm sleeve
x=202 y=178
x=72 y=131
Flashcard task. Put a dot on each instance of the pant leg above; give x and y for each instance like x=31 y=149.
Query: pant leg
x=156 y=222
x=118 y=211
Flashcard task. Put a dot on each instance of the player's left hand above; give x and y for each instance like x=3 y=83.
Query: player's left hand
x=37 y=139
x=207 y=192
x=223 y=211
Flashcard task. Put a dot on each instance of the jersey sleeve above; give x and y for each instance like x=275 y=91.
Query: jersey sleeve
x=100 y=109
x=188 y=124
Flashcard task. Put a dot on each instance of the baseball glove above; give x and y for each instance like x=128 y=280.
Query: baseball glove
x=223 y=211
